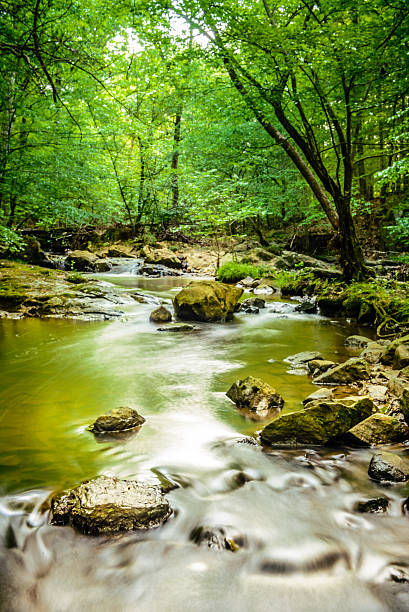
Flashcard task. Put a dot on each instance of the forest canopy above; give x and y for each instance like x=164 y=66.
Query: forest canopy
x=201 y=116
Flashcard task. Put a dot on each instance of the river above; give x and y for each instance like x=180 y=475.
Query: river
x=301 y=545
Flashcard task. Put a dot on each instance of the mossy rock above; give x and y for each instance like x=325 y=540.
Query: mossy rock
x=401 y=357
x=108 y=505
x=353 y=370
x=254 y=394
x=206 y=301
x=377 y=429
x=389 y=351
x=320 y=423
x=118 y=419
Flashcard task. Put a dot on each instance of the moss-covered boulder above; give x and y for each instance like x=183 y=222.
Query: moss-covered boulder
x=321 y=422
x=389 y=350
x=404 y=402
x=389 y=467
x=206 y=300
x=254 y=394
x=160 y=315
x=161 y=256
x=118 y=419
x=345 y=373
x=108 y=505
x=82 y=261
x=377 y=429
x=401 y=357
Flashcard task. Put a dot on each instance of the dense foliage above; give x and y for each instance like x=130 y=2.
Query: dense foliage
x=235 y=116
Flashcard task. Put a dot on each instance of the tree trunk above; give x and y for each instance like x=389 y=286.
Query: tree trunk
x=175 y=160
x=351 y=257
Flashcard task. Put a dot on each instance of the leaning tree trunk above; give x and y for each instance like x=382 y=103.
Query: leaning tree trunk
x=351 y=258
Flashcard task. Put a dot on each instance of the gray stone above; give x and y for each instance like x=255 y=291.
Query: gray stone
x=318 y=366
x=401 y=357
x=254 y=394
x=108 y=505
x=320 y=394
x=304 y=357
x=372 y=353
x=357 y=341
x=389 y=350
x=389 y=467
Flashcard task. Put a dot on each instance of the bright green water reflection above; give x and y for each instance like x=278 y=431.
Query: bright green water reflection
x=57 y=376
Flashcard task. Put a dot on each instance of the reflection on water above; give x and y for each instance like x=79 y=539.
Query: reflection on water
x=302 y=545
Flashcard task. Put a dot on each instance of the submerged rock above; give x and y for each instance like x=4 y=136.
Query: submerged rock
x=377 y=429
x=206 y=301
x=389 y=467
x=320 y=422
x=251 y=305
x=117 y=419
x=254 y=394
x=108 y=505
x=374 y=506
x=304 y=357
x=160 y=315
x=176 y=327
x=351 y=371
x=357 y=341
x=216 y=538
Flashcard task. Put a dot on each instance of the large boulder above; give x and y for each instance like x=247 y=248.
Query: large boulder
x=320 y=423
x=160 y=315
x=377 y=429
x=206 y=300
x=389 y=350
x=108 y=505
x=118 y=419
x=254 y=394
x=345 y=373
x=162 y=256
x=389 y=467
x=82 y=261
x=401 y=357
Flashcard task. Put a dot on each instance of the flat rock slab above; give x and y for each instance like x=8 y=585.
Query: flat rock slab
x=176 y=327
x=389 y=467
x=108 y=505
x=304 y=357
x=321 y=422
x=118 y=419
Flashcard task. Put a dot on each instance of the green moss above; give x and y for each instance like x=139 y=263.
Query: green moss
x=234 y=271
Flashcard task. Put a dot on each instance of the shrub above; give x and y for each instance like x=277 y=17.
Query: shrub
x=234 y=271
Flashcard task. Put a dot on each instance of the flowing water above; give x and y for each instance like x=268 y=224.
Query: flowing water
x=301 y=545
